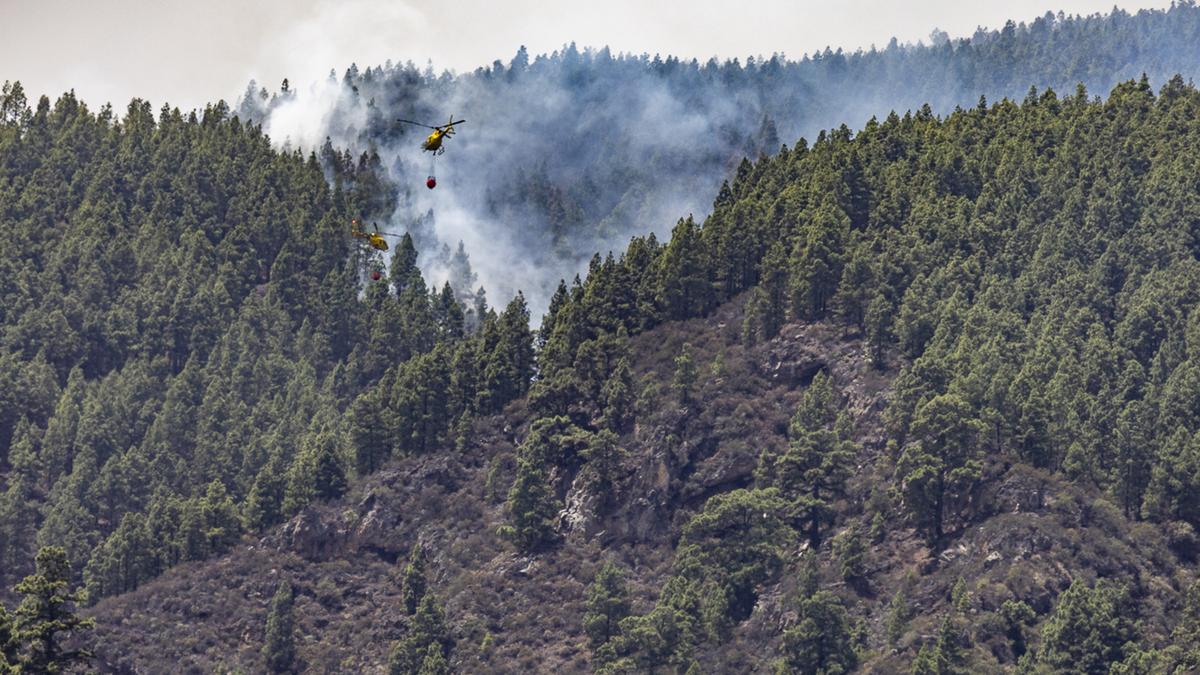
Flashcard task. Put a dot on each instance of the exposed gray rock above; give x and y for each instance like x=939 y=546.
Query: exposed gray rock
x=580 y=518
x=309 y=536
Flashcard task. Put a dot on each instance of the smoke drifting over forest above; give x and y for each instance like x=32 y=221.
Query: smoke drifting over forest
x=569 y=154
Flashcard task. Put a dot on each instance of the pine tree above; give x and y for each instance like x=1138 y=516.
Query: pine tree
x=607 y=604
x=820 y=642
x=914 y=323
x=531 y=507
x=550 y=318
x=122 y=561
x=738 y=539
x=45 y=619
x=317 y=473
x=222 y=524
x=768 y=136
x=1088 y=630
x=877 y=323
x=774 y=286
x=814 y=469
x=817 y=262
x=684 y=378
x=856 y=289
x=191 y=539
x=420 y=404
x=941 y=467
x=264 y=505
x=851 y=552
x=752 y=323
x=618 y=396
x=434 y=662
x=603 y=457
x=683 y=289
x=481 y=314
x=279 y=648
x=18 y=522
x=404 y=265
x=1186 y=634
x=412 y=588
x=508 y=364
x=1016 y=615
x=369 y=431
x=330 y=478
x=899 y=612
x=450 y=318
x=462 y=279
x=8 y=643
x=926 y=662
x=426 y=634
x=944 y=656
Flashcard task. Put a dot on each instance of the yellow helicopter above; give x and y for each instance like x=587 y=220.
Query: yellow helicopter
x=433 y=142
x=375 y=239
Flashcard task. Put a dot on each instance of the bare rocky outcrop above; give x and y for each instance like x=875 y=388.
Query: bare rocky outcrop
x=580 y=518
x=309 y=535
x=375 y=528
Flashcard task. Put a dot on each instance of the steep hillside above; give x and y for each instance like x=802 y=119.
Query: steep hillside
x=918 y=397
x=183 y=319
x=1030 y=534
x=344 y=559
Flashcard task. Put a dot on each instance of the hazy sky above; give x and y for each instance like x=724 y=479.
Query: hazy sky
x=192 y=52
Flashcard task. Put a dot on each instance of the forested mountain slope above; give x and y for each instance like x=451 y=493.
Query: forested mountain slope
x=916 y=397
x=571 y=153
x=185 y=319
x=935 y=349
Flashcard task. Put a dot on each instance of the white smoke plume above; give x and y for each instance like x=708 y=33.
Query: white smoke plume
x=530 y=130
x=567 y=155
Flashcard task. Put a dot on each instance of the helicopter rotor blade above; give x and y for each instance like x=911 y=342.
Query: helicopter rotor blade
x=416 y=123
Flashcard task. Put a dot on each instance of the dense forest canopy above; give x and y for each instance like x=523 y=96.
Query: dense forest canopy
x=571 y=153
x=1031 y=268
x=185 y=319
x=193 y=350
x=180 y=367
